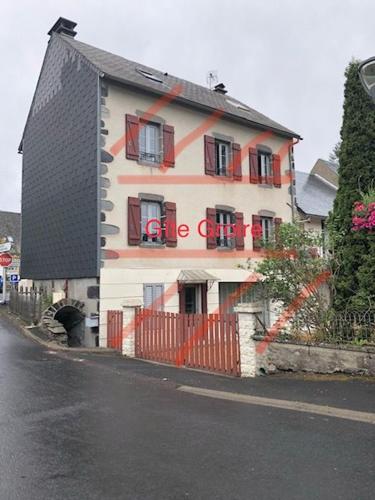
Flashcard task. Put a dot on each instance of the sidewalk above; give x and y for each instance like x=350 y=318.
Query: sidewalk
x=355 y=393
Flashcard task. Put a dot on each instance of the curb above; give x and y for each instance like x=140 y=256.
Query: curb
x=25 y=331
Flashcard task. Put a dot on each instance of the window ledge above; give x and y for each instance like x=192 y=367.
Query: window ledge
x=225 y=249
x=265 y=186
x=145 y=244
x=146 y=163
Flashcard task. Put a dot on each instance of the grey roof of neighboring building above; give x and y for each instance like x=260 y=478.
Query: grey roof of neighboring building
x=128 y=72
x=10 y=225
x=313 y=195
x=330 y=164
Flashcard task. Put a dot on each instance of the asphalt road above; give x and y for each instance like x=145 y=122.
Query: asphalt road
x=88 y=427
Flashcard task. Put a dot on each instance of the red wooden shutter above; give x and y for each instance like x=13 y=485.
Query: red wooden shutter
x=256 y=231
x=168 y=145
x=240 y=240
x=237 y=168
x=170 y=222
x=181 y=297
x=253 y=161
x=134 y=221
x=211 y=217
x=209 y=155
x=132 y=137
x=277 y=221
x=204 y=297
x=276 y=167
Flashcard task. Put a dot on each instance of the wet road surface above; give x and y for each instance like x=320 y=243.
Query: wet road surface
x=86 y=427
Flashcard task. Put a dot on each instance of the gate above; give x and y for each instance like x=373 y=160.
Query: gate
x=114 y=330
x=204 y=341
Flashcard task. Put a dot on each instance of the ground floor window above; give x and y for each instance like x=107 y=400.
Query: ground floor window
x=153 y=296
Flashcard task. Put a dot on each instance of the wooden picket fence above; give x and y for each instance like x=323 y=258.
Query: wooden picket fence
x=114 y=329
x=203 y=341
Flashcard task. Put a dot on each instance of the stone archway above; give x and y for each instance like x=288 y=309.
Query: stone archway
x=65 y=319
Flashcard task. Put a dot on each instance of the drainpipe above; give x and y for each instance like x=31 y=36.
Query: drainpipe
x=292 y=176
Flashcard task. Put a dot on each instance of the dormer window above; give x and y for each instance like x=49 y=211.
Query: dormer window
x=149 y=142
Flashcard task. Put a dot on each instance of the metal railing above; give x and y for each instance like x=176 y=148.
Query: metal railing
x=28 y=303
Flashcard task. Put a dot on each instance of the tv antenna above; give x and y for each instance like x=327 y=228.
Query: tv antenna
x=212 y=78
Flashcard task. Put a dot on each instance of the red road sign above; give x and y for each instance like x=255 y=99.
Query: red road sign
x=5 y=259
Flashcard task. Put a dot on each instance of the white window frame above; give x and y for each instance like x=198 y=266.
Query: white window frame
x=222 y=239
x=268 y=227
x=150 y=210
x=157 y=291
x=150 y=142
x=265 y=167
x=222 y=157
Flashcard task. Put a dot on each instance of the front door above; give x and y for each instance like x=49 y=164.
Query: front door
x=193 y=298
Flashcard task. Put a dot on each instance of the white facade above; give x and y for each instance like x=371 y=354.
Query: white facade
x=123 y=278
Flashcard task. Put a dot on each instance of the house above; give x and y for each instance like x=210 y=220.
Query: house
x=140 y=187
x=10 y=228
x=315 y=194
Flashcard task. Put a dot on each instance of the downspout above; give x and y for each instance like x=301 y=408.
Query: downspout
x=292 y=174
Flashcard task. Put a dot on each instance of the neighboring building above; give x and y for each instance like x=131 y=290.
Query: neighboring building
x=10 y=226
x=315 y=194
x=104 y=153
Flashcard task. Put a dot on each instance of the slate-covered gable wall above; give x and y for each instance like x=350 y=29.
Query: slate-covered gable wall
x=60 y=170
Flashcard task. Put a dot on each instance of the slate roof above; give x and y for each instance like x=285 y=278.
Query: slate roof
x=128 y=72
x=313 y=195
x=10 y=225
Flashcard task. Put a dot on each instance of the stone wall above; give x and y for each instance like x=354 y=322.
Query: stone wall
x=316 y=359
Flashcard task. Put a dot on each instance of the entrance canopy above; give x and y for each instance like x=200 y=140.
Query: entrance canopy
x=195 y=276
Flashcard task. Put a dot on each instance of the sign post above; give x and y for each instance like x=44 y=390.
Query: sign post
x=5 y=261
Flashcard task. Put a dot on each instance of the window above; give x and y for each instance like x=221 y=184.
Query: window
x=150 y=231
x=149 y=75
x=264 y=167
x=224 y=229
x=267 y=228
x=153 y=296
x=149 y=142
x=222 y=157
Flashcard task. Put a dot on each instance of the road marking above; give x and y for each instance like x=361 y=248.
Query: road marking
x=327 y=411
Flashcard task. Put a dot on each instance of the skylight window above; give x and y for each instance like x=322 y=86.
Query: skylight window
x=149 y=75
x=237 y=105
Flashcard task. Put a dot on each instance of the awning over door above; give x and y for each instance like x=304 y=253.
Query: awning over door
x=195 y=276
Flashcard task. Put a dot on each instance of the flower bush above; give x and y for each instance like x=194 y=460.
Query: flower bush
x=363 y=217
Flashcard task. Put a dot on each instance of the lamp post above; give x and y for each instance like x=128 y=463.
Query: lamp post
x=367 y=76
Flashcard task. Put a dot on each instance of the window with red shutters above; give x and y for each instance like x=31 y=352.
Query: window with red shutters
x=168 y=146
x=276 y=167
x=132 y=137
x=256 y=231
x=209 y=155
x=170 y=222
x=134 y=221
x=253 y=165
x=211 y=228
x=236 y=159
x=240 y=237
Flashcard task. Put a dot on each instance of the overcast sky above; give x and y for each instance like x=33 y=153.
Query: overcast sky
x=285 y=58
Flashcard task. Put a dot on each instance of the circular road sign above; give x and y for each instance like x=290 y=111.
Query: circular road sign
x=5 y=259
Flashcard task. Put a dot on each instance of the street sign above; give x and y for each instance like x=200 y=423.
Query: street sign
x=14 y=278
x=5 y=259
x=5 y=247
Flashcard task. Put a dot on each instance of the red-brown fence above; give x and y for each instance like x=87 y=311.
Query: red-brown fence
x=114 y=329
x=204 y=341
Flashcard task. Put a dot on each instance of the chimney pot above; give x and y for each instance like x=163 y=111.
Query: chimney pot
x=63 y=25
x=220 y=88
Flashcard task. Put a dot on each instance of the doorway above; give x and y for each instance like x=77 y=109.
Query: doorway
x=193 y=297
